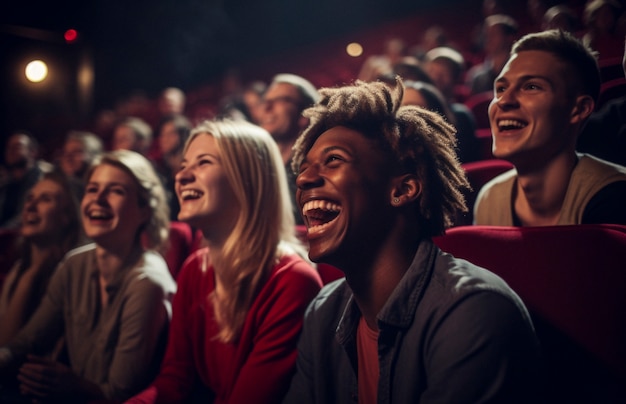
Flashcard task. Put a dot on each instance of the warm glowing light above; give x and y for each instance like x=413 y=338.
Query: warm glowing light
x=354 y=49
x=70 y=35
x=36 y=71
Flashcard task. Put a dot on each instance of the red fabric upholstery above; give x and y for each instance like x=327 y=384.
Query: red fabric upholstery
x=479 y=105
x=573 y=281
x=478 y=174
x=611 y=90
x=485 y=142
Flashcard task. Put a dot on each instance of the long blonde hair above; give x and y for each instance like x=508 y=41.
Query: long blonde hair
x=265 y=228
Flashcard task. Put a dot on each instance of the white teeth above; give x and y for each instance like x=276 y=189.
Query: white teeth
x=319 y=204
x=510 y=123
x=190 y=193
x=98 y=215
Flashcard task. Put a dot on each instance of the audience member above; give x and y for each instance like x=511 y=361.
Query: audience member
x=600 y=18
x=172 y=134
x=172 y=100
x=408 y=323
x=132 y=133
x=109 y=300
x=536 y=11
x=428 y=96
x=542 y=98
x=408 y=68
x=446 y=68
x=281 y=115
x=489 y=8
x=561 y=17
x=79 y=151
x=244 y=104
x=434 y=36
x=50 y=227
x=380 y=65
x=239 y=308
x=604 y=134
x=500 y=31
x=23 y=170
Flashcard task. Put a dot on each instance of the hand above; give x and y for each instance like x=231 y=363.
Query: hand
x=44 y=378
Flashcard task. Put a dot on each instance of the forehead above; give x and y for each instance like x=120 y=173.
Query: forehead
x=281 y=90
x=201 y=144
x=73 y=144
x=350 y=140
x=534 y=63
x=16 y=140
x=107 y=173
x=124 y=130
x=47 y=186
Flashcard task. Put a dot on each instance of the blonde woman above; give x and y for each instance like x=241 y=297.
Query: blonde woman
x=239 y=308
x=110 y=300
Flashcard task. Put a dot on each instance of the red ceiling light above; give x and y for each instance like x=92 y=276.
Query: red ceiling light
x=71 y=35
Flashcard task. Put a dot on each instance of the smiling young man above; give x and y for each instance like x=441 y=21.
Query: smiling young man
x=408 y=323
x=542 y=99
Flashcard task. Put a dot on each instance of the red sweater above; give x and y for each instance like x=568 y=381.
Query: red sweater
x=257 y=368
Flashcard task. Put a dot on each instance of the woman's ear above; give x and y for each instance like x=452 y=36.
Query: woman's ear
x=405 y=189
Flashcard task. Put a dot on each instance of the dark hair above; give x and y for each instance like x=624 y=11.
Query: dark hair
x=580 y=59
x=433 y=97
x=419 y=141
x=182 y=126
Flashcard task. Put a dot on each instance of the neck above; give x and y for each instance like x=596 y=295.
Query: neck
x=40 y=254
x=374 y=278
x=540 y=192
x=110 y=262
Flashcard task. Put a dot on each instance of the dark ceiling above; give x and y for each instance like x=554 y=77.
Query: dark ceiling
x=148 y=45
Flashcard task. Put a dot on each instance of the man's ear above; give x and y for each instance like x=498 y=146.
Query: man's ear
x=406 y=188
x=582 y=109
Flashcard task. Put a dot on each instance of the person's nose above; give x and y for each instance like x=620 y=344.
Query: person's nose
x=506 y=99
x=184 y=176
x=30 y=205
x=309 y=177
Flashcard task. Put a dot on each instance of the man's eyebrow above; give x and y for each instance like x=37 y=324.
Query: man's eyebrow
x=329 y=149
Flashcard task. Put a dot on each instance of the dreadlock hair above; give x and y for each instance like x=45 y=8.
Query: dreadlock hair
x=420 y=141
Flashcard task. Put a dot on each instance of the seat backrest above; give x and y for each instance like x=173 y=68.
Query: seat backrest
x=479 y=105
x=485 y=143
x=610 y=90
x=478 y=174
x=611 y=68
x=573 y=281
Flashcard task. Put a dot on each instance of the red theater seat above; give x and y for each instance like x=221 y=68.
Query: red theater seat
x=479 y=105
x=478 y=174
x=573 y=281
